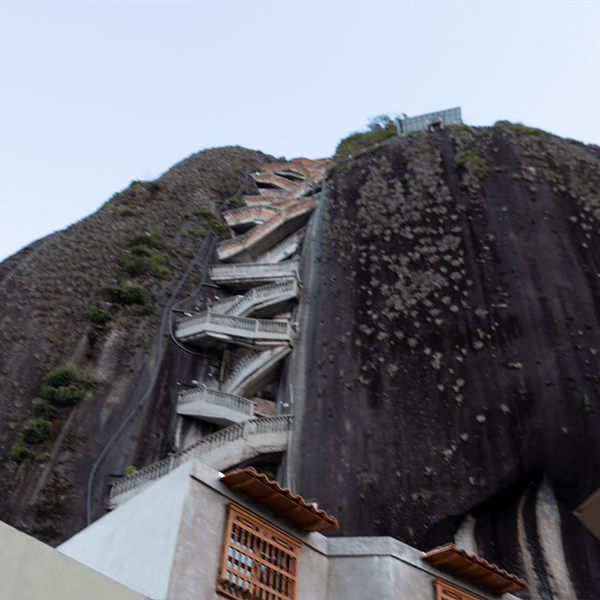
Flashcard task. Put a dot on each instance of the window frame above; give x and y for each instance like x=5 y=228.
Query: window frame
x=444 y=590
x=272 y=553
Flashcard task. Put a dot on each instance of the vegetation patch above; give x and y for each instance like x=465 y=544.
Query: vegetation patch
x=205 y=212
x=45 y=411
x=238 y=202
x=126 y=211
x=520 y=128
x=19 y=450
x=142 y=256
x=38 y=430
x=65 y=386
x=133 y=294
x=198 y=231
x=98 y=314
x=151 y=239
x=159 y=263
x=146 y=309
x=60 y=376
x=215 y=225
x=473 y=162
x=379 y=129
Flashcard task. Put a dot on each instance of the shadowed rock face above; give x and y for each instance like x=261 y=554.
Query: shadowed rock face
x=455 y=365
x=45 y=292
x=453 y=385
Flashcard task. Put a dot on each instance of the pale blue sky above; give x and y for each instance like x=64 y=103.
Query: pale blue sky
x=96 y=94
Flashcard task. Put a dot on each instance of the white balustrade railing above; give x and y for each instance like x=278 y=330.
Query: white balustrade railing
x=221 y=306
x=242 y=326
x=283 y=268
x=218 y=398
x=287 y=287
x=254 y=363
x=220 y=438
x=284 y=249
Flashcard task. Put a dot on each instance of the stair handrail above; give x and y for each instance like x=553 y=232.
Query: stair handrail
x=219 y=438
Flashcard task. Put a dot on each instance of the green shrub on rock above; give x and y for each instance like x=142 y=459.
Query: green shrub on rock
x=151 y=239
x=109 y=293
x=98 y=314
x=45 y=411
x=68 y=396
x=38 y=430
x=19 y=450
x=133 y=294
x=134 y=264
x=146 y=309
x=60 y=376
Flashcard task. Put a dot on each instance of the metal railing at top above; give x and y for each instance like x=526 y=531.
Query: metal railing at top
x=424 y=122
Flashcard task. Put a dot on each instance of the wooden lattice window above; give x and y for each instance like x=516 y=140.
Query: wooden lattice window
x=258 y=560
x=448 y=591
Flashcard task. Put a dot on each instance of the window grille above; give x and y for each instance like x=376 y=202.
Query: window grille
x=258 y=560
x=448 y=591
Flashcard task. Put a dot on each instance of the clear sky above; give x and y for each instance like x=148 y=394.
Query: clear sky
x=96 y=94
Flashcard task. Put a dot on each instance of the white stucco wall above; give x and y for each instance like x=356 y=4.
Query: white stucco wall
x=135 y=543
x=196 y=562
x=383 y=568
x=31 y=570
x=166 y=544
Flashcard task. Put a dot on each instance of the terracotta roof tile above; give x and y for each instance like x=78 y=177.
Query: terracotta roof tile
x=475 y=569
x=280 y=501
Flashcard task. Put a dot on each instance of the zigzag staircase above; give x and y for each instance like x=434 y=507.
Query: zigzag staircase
x=264 y=265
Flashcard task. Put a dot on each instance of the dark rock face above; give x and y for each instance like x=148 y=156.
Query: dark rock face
x=45 y=292
x=453 y=390
x=455 y=367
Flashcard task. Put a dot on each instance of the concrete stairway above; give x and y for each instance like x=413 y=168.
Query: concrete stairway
x=268 y=227
x=222 y=449
x=262 y=301
x=285 y=202
x=284 y=250
x=255 y=370
x=247 y=275
x=214 y=406
x=242 y=219
x=258 y=240
x=212 y=329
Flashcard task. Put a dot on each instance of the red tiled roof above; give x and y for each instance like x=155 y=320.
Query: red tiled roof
x=475 y=569
x=280 y=501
